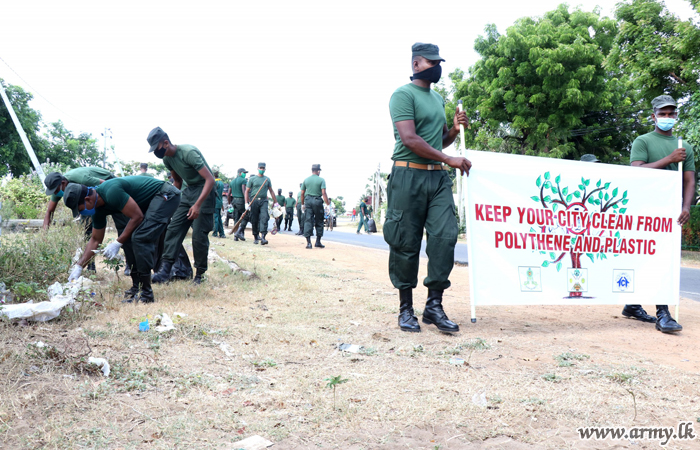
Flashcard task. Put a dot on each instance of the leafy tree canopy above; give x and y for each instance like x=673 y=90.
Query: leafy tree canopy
x=661 y=53
x=541 y=89
x=57 y=144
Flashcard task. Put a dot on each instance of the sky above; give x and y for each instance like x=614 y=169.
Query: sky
x=287 y=83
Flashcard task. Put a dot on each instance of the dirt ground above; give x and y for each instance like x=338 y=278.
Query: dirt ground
x=255 y=356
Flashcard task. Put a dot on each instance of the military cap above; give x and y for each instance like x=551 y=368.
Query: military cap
x=154 y=137
x=261 y=164
x=74 y=196
x=291 y=193
x=589 y=158
x=52 y=182
x=427 y=51
x=315 y=167
x=242 y=170
x=663 y=100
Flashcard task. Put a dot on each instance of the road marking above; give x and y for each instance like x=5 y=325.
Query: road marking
x=691 y=293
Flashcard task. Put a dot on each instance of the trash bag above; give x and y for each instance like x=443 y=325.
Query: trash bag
x=276 y=212
x=182 y=269
x=371 y=226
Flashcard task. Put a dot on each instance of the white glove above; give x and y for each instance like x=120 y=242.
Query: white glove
x=303 y=208
x=112 y=250
x=75 y=273
x=247 y=207
x=276 y=205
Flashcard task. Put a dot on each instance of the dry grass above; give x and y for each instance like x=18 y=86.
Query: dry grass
x=252 y=357
x=690 y=259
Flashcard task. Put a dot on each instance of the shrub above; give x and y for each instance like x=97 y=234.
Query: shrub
x=691 y=231
x=32 y=261
x=23 y=198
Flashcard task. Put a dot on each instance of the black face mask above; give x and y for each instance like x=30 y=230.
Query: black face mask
x=432 y=74
x=159 y=152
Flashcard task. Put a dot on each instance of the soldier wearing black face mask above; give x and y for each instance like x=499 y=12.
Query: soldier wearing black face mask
x=420 y=191
x=197 y=203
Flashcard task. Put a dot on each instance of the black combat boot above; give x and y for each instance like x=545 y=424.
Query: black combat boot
x=163 y=274
x=407 y=319
x=434 y=314
x=664 y=322
x=308 y=243
x=235 y=237
x=240 y=234
x=257 y=239
x=146 y=290
x=318 y=243
x=263 y=241
x=637 y=312
x=198 y=278
x=130 y=295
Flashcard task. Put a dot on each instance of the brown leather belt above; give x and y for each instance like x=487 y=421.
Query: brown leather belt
x=418 y=166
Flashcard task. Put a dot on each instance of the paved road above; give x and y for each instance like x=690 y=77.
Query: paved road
x=690 y=278
x=690 y=283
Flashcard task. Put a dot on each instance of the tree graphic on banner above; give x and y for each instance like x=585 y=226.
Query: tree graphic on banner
x=553 y=196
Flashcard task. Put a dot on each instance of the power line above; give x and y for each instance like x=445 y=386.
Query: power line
x=34 y=89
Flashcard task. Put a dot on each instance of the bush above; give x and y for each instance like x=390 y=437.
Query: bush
x=33 y=261
x=690 y=233
x=23 y=198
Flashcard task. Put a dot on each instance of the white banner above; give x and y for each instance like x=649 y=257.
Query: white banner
x=545 y=231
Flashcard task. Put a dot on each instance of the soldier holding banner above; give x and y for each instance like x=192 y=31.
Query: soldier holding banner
x=420 y=191
x=661 y=150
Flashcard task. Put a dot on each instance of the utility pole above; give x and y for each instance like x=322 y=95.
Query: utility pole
x=108 y=131
x=22 y=135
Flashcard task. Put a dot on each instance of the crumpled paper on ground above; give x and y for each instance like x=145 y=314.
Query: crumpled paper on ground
x=60 y=295
x=101 y=363
x=166 y=323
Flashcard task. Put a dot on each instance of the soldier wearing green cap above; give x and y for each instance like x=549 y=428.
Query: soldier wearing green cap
x=300 y=213
x=147 y=203
x=420 y=191
x=219 y=205
x=289 y=204
x=257 y=204
x=660 y=149
x=144 y=171
x=90 y=176
x=312 y=189
x=280 y=199
x=237 y=200
x=197 y=203
x=56 y=184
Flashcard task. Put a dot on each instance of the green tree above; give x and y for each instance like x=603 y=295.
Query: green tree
x=661 y=53
x=13 y=156
x=63 y=147
x=134 y=168
x=339 y=203
x=541 y=89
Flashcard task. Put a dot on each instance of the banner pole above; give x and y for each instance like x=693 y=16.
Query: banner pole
x=680 y=168
x=463 y=192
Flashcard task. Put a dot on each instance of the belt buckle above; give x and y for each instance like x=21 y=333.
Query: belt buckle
x=431 y=166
